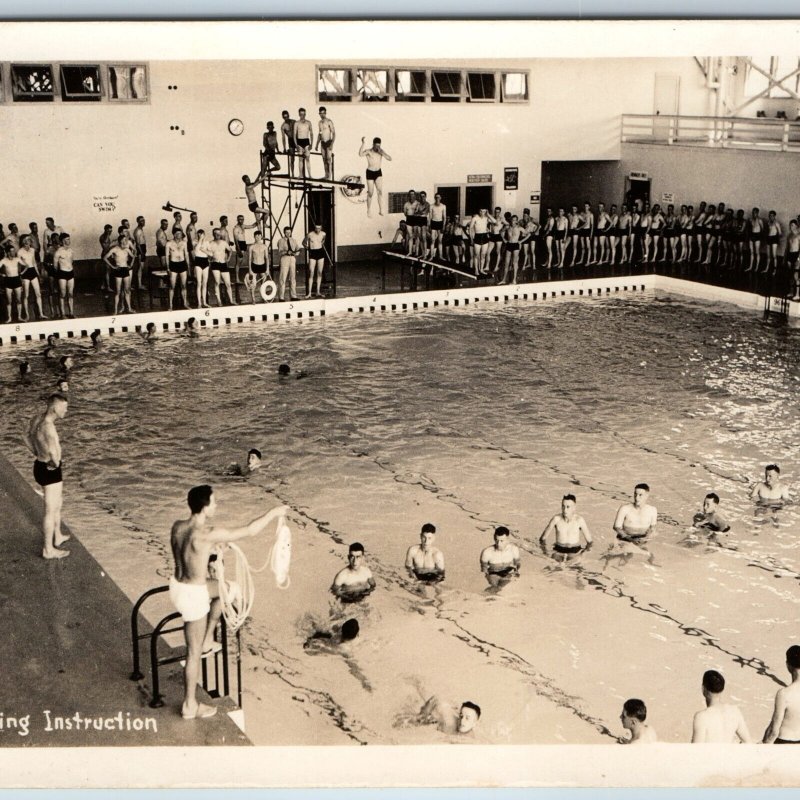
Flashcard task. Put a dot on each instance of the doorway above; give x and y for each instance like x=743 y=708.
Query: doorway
x=319 y=211
x=637 y=189
x=478 y=196
x=451 y=197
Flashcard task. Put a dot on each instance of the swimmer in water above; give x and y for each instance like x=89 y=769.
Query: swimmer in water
x=709 y=518
x=253 y=463
x=66 y=363
x=501 y=561
x=784 y=727
x=636 y=521
x=770 y=491
x=424 y=561
x=719 y=722
x=355 y=581
x=24 y=369
x=327 y=641
x=49 y=351
x=568 y=527
x=149 y=334
x=633 y=716
x=96 y=339
x=284 y=370
x=62 y=386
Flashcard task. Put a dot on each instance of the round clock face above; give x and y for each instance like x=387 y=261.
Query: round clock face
x=235 y=127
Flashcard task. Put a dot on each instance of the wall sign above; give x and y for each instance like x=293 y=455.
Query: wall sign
x=104 y=203
x=668 y=197
x=511 y=178
x=638 y=176
x=536 y=197
x=479 y=178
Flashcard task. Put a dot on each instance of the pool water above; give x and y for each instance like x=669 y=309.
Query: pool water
x=468 y=419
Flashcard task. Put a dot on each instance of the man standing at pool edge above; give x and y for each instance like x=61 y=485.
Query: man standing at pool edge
x=192 y=594
x=46 y=448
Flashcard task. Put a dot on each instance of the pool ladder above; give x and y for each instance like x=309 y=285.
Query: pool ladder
x=221 y=659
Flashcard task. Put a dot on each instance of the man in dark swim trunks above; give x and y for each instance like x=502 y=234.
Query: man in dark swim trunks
x=44 y=443
x=424 y=561
x=784 y=727
x=568 y=527
x=287 y=138
x=355 y=581
x=709 y=518
x=374 y=156
x=501 y=561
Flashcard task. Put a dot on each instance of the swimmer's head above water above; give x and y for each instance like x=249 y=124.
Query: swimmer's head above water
x=772 y=474
x=355 y=555
x=640 y=493
x=713 y=683
x=710 y=503
x=427 y=535
x=350 y=630
x=568 y=505
x=501 y=537
x=253 y=459
x=468 y=716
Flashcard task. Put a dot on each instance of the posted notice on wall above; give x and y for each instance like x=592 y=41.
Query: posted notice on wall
x=105 y=203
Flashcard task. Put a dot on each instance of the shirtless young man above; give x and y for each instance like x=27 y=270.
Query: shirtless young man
x=479 y=233
x=11 y=268
x=374 y=156
x=636 y=521
x=287 y=139
x=438 y=215
x=709 y=518
x=325 y=138
x=791 y=257
x=178 y=264
x=770 y=491
x=46 y=448
x=568 y=527
x=497 y=228
x=602 y=230
x=410 y=212
x=270 y=142
x=239 y=229
x=774 y=234
x=30 y=276
x=118 y=259
x=755 y=228
x=161 y=243
x=192 y=593
x=501 y=561
x=512 y=235
x=140 y=240
x=423 y=223
x=784 y=727
x=315 y=242
x=719 y=722
x=258 y=265
x=575 y=225
x=355 y=581
x=65 y=273
x=560 y=232
x=587 y=234
x=633 y=716
x=424 y=561
x=220 y=251
x=202 y=254
x=191 y=237
x=304 y=137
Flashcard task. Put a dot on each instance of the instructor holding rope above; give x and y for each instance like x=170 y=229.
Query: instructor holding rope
x=196 y=597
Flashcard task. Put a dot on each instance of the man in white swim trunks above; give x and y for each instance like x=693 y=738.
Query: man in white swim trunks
x=192 y=593
x=424 y=562
x=719 y=722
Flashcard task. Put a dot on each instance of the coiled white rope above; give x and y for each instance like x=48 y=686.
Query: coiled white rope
x=237 y=595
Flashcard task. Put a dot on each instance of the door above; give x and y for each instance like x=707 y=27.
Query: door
x=320 y=211
x=451 y=197
x=478 y=196
x=637 y=189
x=665 y=105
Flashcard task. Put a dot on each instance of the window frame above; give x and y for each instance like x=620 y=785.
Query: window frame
x=108 y=66
x=33 y=97
x=360 y=95
x=526 y=98
x=411 y=97
x=87 y=98
x=468 y=90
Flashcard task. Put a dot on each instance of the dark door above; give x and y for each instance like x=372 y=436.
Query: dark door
x=478 y=196
x=637 y=190
x=451 y=197
x=320 y=212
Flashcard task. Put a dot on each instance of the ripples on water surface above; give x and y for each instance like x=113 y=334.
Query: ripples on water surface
x=467 y=419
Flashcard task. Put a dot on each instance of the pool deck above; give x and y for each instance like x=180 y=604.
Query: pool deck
x=67 y=622
x=67 y=647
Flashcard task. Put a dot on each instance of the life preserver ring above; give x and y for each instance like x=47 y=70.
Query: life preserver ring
x=268 y=291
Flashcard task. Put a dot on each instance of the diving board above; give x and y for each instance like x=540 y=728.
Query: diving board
x=427 y=263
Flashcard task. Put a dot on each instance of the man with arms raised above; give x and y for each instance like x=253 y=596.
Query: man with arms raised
x=46 y=448
x=636 y=521
x=500 y=562
x=719 y=722
x=568 y=527
x=424 y=561
x=355 y=581
x=784 y=727
x=192 y=594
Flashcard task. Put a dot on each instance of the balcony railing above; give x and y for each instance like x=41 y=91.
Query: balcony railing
x=729 y=132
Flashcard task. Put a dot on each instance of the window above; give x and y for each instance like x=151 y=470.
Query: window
x=411 y=85
x=80 y=83
x=127 y=83
x=373 y=84
x=334 y=84
x=514 y=87
x=782 y=66
x=777 y=66
x=480 y=87
x=396 y=202
x=446 y=87
x=31 y=83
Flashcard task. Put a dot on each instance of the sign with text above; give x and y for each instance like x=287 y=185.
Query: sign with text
x=104 y=203
x=668 y=197
x=536 y=197
x=511 y=178
x=479 y=178
x=638 y=176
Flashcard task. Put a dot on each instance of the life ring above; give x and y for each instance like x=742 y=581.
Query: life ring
x=268 y=291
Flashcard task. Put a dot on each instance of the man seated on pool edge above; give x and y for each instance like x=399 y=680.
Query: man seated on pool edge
x=569 y=526
x=500 y=562
x=636 y=521
x=770 y=491
x=709 y=518
x=424 y=561
x=355 y=581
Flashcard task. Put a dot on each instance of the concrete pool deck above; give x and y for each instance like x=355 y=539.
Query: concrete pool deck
x=67 y=648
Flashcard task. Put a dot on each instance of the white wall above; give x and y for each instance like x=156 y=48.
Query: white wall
x=64 y=154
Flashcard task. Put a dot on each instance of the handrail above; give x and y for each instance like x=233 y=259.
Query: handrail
x=755 y=120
